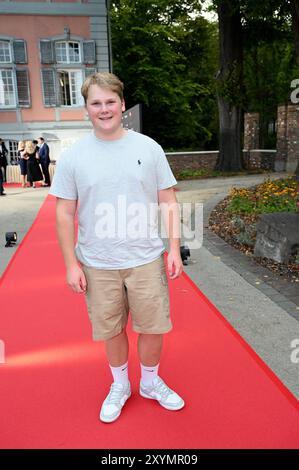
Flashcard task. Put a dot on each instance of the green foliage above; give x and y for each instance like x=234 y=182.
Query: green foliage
x=166 y=58
x=276 y=204
x=189 y=173
x=241 y=205
x=230 y=87
x=268 y=72
x=167 y=55
x=270 y=196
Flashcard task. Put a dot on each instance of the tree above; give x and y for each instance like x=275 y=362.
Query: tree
x=252 y=30
x=151 y=55
x=230 y=84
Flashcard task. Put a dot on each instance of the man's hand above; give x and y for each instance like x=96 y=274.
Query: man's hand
x=174 y=264
x=76 y=279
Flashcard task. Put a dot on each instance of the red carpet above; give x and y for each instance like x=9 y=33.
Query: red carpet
x=18 y=185
x=55 y=377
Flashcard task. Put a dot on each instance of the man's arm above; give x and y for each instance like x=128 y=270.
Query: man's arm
x=65 y=226
x=171 y=217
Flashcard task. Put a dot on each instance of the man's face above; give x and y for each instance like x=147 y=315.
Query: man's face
x=104 y=108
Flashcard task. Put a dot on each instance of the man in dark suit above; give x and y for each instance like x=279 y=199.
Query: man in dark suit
x=3 y=159
x=44 y=157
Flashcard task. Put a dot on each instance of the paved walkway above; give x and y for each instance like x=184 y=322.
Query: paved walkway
x=266 y=317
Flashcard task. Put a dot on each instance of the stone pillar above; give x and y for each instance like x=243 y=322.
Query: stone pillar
x=287 y=137
x=251 y=137
x=293 y=137
x=281 y=141
x=251 y=131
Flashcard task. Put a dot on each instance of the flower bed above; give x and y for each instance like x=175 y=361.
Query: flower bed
x=234 y=219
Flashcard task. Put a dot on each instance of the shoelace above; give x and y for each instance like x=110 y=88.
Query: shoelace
x=162 y=388
x=115 y=394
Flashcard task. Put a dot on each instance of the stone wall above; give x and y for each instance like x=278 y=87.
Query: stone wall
x=287 y=145
x=179 y=161
x=253 y=159
x=260 y=159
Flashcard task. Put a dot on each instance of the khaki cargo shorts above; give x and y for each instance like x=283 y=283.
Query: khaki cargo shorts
x=142 y=290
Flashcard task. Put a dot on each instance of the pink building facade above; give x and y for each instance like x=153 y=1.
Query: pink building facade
x=47 y=48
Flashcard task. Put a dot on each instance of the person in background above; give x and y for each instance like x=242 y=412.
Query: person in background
x=2 y=193
x=22 y=162
x=44 y=155
x=3 y=159
x=35 y=142
x=33 y=169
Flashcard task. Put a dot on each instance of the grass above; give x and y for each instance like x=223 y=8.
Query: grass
x=206 y=173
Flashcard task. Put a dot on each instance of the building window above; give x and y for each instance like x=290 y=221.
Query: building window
x=71 y=62
x=13 y=152
x=67 y=52
x=70 y=82
x=5 y=52
x=14 y=81
x=7 y=89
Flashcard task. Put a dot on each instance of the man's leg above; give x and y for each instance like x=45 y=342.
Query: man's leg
x=117 y=349
x=45 y=170
x=151 y=385
x=149 y=305
x=149 y=349
x=2 y=193
x=4 y=173
x=108 y=310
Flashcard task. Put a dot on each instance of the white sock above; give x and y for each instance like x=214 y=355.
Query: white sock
x=120 y=374
x=148 y=373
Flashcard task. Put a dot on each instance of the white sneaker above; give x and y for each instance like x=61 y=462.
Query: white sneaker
x=159 y=391
x=114 y=402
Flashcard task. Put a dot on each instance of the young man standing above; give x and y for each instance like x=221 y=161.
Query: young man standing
x=108 y=175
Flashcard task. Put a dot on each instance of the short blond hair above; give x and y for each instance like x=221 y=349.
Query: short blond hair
x=21 y=145
x=30 y=147
x=104 y=80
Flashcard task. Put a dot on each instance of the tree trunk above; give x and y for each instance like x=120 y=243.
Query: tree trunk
x=230 y=86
